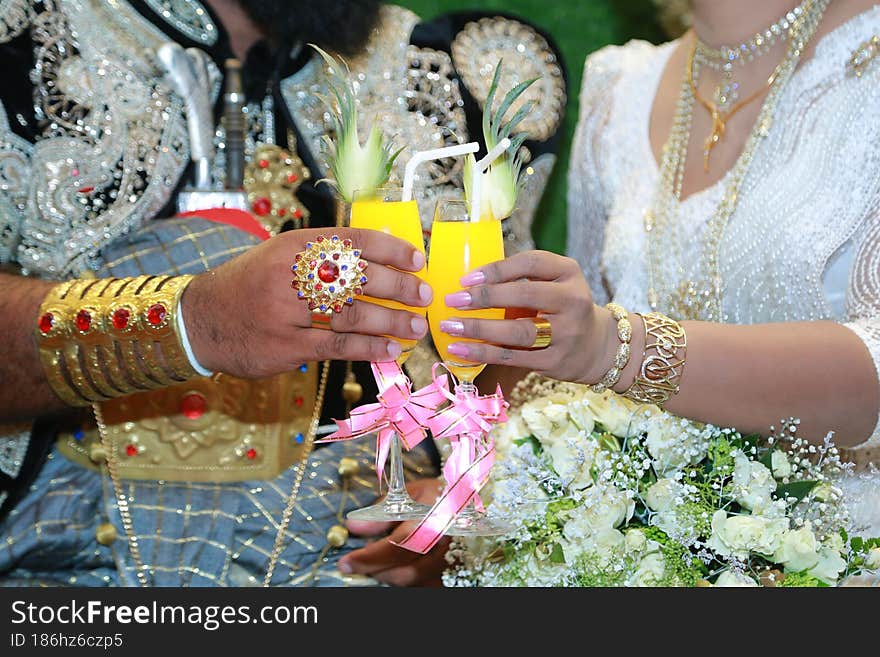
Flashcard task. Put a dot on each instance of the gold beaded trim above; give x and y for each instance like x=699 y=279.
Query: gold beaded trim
x=659 y=376
x=621 y=358
x=102 y=339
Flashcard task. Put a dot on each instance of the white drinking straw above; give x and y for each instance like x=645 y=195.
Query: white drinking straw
x=419 y=157
x=477 y=175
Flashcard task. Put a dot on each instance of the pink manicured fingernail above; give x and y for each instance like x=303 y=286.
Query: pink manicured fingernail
x=344 y=567
x=473 y=278
x=393 y=350
x=458 y=299
x=458 y=349
x=452 y=327
x=426 y=293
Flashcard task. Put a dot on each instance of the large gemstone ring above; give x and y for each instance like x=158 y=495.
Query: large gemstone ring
x=328 y=275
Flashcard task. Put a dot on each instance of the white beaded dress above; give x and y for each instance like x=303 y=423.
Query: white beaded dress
x=804 y=240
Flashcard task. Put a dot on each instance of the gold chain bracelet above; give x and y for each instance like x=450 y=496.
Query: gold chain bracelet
x=621 y=358
x=659 y=376
x=102 y=339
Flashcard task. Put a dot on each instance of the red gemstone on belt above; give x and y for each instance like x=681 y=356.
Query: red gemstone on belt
x=251 y=453
x=292 y=178
x=193 y=405
x=328 y=271
x=83 y=320
x=120 y=318
x=262 y=206
x=131 y=450
x=156 y=314
x=264 y=164
x=47 y=321
x=298 y=401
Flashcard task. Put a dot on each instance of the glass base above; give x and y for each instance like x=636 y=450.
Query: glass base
x=386 y=511
x=478 y=524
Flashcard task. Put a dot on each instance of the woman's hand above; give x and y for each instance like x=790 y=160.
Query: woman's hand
x=584 y=335
x=245 y=320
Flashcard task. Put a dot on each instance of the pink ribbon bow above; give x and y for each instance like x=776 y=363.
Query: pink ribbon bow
x=466 y=422
x=399 y=410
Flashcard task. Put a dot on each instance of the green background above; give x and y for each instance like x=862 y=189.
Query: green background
x=579 y=27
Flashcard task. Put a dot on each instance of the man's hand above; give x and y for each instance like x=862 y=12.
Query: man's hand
x=393 y=565
x=245 y=320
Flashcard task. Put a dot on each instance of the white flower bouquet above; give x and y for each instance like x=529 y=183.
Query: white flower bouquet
x=608 y=493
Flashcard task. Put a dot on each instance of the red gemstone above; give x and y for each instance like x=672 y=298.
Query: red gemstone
x=318 y=287
x=299 y=256
x=298 y=213
x=131 y=450
x=156 y=314
x=294 y=284
x=120 y=318
x=342 y=281
x=362 y=265
x=321 y=238
x=193 y=405
x=336 y=256
x=328 y=271
x=312 y=305
x=86 y=190
x=282 y=212
x=358 y=291
x=346 y=243
x=83 y=320
x=264 y=164
x=292 y=178
x=262 y=206
x=337 y=308
x=251 y=453
x=298 y=401
x=47 y=321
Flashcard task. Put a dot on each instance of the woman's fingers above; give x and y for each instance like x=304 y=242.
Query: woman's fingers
x=534 y=265
x=520 y=294
x=480 y=352
x=510 y=332
x=371 y=319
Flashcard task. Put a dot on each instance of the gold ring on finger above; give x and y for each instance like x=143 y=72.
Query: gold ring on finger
x=543 y=333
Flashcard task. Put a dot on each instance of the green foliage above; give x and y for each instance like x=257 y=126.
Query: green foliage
x=578 y=28
x=801 y=580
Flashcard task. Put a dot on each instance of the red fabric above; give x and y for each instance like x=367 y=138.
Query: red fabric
x=231 y=217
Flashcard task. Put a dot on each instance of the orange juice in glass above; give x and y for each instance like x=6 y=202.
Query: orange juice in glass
x=383 y=210
x=459 y=246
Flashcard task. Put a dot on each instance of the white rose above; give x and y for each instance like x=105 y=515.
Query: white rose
x=663 y=494
x=779 y=464
x=572 y=460
x=617 y=414
x=826 y=492
x=829 y=566
x=835 y=542
x=753 y=483
x=650 y=570
x=872 y=559
x=602 y=509
x=740 y=535
x=556 y=418
x=605 y=544
x=731 y=578
x=673 y=442
x=798 y=549
x=506 y=433
x=635 y=540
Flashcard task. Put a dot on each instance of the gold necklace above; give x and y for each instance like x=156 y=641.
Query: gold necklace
x=698 y=295
x=125 y=511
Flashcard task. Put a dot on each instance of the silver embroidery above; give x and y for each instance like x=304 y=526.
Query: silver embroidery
x=14 y=17
x=15 y=155
x=189 y=17
x=114 y=139
x=13 y=448
x=3 y=497
x=478 y=48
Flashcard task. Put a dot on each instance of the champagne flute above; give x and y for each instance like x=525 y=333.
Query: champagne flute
x=458 y=246
x=383 y=210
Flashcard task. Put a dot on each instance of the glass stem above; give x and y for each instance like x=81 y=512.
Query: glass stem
x=396 y=481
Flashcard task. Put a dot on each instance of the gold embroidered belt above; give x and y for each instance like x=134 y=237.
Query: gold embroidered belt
x=217 y=429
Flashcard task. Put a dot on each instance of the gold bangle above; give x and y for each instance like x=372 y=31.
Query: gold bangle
x=659 y=376
x=86 y=327
x=621 y=357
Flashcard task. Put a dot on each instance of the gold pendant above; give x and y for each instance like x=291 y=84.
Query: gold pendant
x=717 y=134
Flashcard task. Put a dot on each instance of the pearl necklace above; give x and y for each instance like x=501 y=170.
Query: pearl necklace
x=698 y=294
